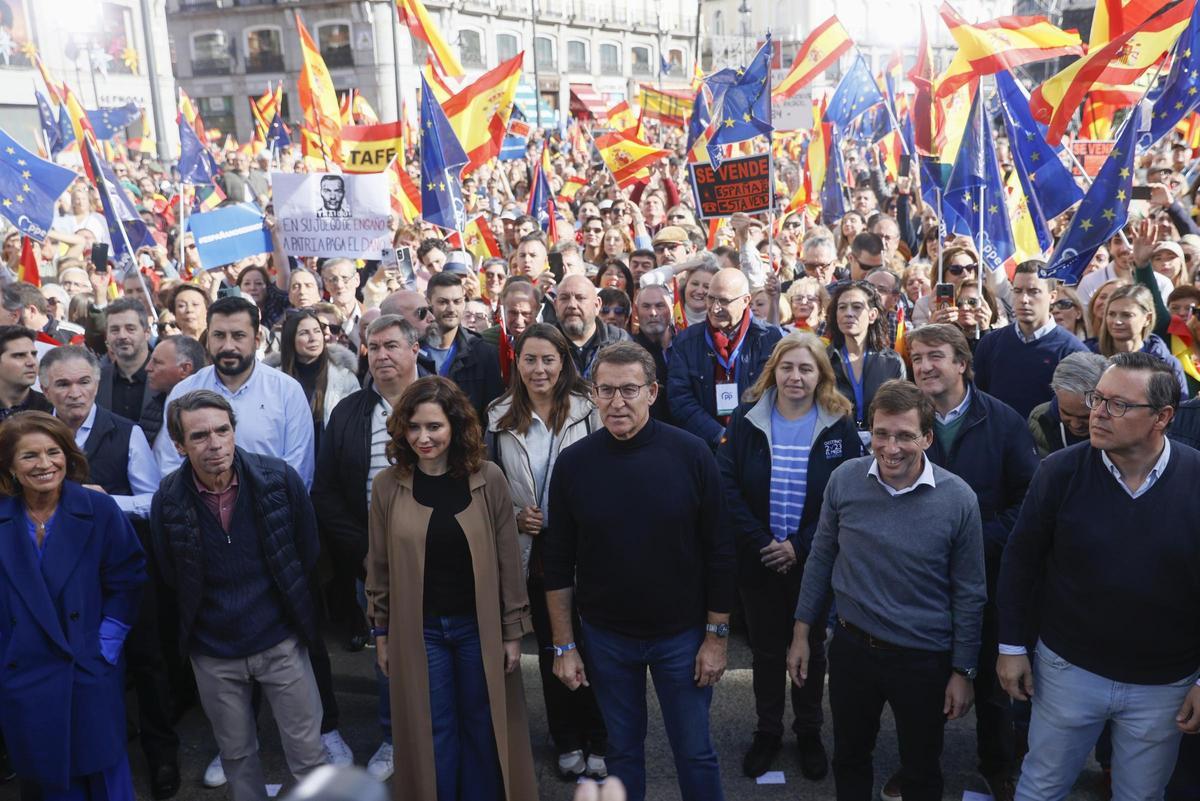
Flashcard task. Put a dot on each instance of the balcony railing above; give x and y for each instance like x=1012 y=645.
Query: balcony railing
x=211 y=66
x=264 y=62
x=577 y=65
x=609 y=68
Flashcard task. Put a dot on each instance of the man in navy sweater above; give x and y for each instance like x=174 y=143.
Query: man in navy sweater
x=1110 y=601
x=1015 y=363
x=636 y=539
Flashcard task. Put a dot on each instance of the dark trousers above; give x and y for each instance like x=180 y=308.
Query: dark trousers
x=862 y=679
x=768 y=606
x=146 y=666
x=1185 y=781
x=574 y=718
x=464 y=743
x=995 y=732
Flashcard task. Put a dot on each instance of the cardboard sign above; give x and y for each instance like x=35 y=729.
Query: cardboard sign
x=1091 y=154
x=230 y=233
x=327 y=214
x=741 y=184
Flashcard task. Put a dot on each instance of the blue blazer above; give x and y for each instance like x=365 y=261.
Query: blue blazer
x=62 y=707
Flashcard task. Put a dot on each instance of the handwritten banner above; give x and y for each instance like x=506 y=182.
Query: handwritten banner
x=328 y=214
x=741 y=184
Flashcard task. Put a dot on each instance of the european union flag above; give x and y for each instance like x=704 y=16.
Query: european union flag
x=1181 y=92
x=124 y=223
x=66 y=132
x=1048 y=185
x=196 y=164
x=975 y=192
x=442 y=160
x=833 y=197
x=277 y=135
x=29 y=187
x=700 y=118
x=1104 y=209
x=856 y=93
x=107 y=121
x=49 y=124
x=742 y=110
x=541 y=198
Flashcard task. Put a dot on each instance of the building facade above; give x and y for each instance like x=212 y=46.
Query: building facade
x=227 y=51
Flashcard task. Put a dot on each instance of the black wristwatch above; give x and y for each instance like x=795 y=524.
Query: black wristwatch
x=967 y=673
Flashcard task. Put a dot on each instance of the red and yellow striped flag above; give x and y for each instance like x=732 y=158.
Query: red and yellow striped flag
x=319 y=100
x=479 y=113
x=188 y=109
x=890 y=150
x=628 y=159
x=571 y=187
x=421 y=25
x=406 y=198
x=820 y=51
x=622 y=118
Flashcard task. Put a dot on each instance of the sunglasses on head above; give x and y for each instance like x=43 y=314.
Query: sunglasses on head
x=959 y=269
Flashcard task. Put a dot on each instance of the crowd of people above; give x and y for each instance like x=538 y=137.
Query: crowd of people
x=911 y=480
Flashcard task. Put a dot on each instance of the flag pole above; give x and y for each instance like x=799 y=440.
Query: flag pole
x=770 y=163
x=941 y=237
x=121 y=227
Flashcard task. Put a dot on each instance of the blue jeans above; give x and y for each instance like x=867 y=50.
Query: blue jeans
x=1071 y=706
x=464 y=743
x=617 y=672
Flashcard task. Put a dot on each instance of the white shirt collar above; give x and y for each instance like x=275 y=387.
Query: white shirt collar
x=1038 y=334
x=1154 y=475
x=925 y=478
x=957 y=412
x=86 y=429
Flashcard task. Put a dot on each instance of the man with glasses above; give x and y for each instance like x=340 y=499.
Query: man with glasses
x=819 y=256
x=865 y=256
x=1063 y=421
x=1109 y=601
x=900 y=546
x=654 y=589
x=671 y=245
x=711 y=365
x=341 y=281
x=1016 y=363
x=413 y=307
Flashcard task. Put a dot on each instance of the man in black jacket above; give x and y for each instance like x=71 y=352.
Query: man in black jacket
x=234 y=536
x=577 y=310
x=456 y=352
x=353 y=452
x=123 y=389
x=655 y=332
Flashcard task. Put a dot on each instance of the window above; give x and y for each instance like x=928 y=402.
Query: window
x=507 y=47
x=334 y=40
x=116 y=32
x=675 y=58
x=641 y=60
x=264 y=50
x=217 y=113
x=610 y=60
x=470 y=48
x=577 y=56
x=718 y=24
x=543 y=53
x=210 y=54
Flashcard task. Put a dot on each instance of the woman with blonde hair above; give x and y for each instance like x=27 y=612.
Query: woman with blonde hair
x=781 y=445
x=808 y=298
x=1095 y=306
x=1069 y=312
x=1129 y=327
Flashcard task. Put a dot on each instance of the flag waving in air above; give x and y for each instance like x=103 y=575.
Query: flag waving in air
x=29 y=186
x=628 y=159
x=322 y=114
x=828 y=42
x=442 y=160
x=1181 y=93
x=856 y=93
x=421 y=25
x=479 y=113
x=741 y=107
x=541 y=197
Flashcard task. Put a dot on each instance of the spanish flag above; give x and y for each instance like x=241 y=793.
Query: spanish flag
x=480 y=242
x=441 y=86
x=53 y=88
x=1119 y=62
x=828 y=42
x=1001 y=44
x=421 y=25
x=622 y=118
x=670 y=108
x=188 y=109
x=1181 y=349
x=629 y=160
x=362 y=112
x=406 y=198
x=571 y=187
x=479 y=113
x=1097 y=118
x=322 y=115
x=890 y=150
x=29 y=263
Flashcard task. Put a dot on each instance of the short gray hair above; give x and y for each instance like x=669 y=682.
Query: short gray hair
x=66 y=353
x=187 y=350
x=386 y=321
x=191 y=402
x=1078 y=373
x=1162 y=388
x=819 y=242
x=621 y=353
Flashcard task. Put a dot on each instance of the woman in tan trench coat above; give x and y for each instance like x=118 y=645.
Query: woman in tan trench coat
x=447 y=600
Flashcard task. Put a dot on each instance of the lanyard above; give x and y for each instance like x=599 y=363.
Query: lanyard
x=731 y=365
x=856 y=384
x=445 y=371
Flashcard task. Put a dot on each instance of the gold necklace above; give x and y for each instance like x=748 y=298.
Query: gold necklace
x=40 y=532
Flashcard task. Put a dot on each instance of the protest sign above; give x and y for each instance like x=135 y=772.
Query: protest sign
x=327 y=214
x=741 y=184
x=370 y=148
x=1091 y=155
x=229 y=233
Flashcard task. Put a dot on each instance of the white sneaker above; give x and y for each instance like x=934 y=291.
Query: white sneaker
x=571 y=764
x=336 y=751
x=380 y=765
x=597 y=768
x=214 y=774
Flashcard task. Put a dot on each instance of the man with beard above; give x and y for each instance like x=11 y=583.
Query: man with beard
x=577 y=307
x=457 y=353
x=275 y=416
x=655 y=333
x=123 y=389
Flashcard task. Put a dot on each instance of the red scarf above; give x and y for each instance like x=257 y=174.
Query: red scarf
x=725 y=345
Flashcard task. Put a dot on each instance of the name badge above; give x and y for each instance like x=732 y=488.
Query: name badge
x=727 y=398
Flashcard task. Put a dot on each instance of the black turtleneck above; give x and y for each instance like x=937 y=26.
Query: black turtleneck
x=635 y=528
x=306 y=374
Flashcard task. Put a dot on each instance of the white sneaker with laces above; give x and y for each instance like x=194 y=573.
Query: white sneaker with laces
x=214 y=774
x=336 y=750
x=380 y=765
x=597 y=768
x=571 y=764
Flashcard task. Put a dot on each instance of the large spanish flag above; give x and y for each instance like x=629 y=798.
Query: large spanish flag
x=479 y=113
x=627 y=158
x=318 y=99
x=1121 y=61
x=188 y=109
x=820 y=51
x=666 y=106
x=421 y=25
x=1001 y=44
x=622 y=117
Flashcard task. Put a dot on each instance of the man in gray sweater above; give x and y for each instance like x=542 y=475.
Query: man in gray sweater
x=901 y=545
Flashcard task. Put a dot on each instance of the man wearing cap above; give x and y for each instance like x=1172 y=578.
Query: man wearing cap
x=671 y=245
x=457 y=353
x=508 y=218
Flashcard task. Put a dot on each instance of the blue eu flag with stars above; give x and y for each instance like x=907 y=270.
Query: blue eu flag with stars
x=196 y=164
x=277 y=135
x=107 y=121
x=1181 y=92
x=49 y=124
x=975 y=192
x=1103 y=211
x=743 y=109
x=856 y=93
x=442 y=160
x=29 y=187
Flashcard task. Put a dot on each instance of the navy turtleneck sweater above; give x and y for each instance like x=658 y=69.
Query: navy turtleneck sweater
x=635 y=528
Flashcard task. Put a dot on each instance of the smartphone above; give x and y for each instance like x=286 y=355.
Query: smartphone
x=1140 y=193
x=1196 y=311
x=406 y=262
x=943 y=296
x=100 y=257
x=229 y=292
x=556 y=266
x=388 y=259
x=146 y=262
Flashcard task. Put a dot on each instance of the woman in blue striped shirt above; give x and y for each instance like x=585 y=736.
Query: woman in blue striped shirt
x=781 y=445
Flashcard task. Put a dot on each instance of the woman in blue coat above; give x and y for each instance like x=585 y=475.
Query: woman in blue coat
x=71 y=569
x=775 y=459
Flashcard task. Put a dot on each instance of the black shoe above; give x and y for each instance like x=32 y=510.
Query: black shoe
x=356 y=643
x=761 y=754
x=814 y=764
x=164 y=783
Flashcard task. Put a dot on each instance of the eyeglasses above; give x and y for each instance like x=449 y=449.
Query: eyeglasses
x=163 y=328
x=677 y=216
x=817 y=265
x=332 y=328
x=959 y=269
x=792 y=224
x=1063 y=304
x=614 y=310
x=903 y=438
x=1112 y=406
x=190 y=246
x=970 y=303
x=423 y=311
x=628 y=391
x=725 y=303
x=594 y=230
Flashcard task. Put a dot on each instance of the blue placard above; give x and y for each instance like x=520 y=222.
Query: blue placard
x=513 y=148
x=229 y=233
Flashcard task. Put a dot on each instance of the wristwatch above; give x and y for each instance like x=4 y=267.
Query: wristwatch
x=561 y=650
x=967 y=673
x=719 y=629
